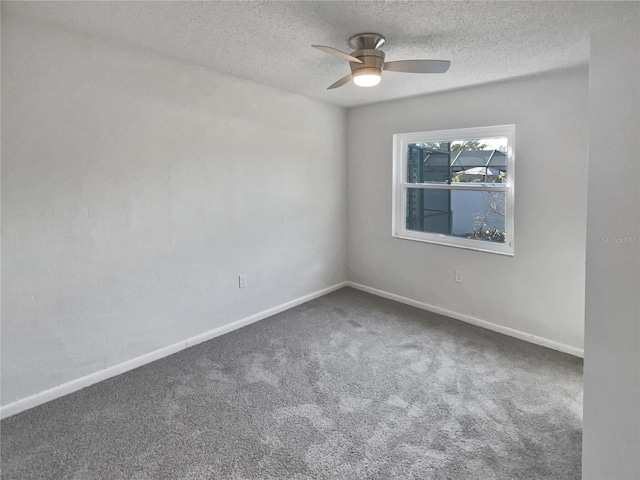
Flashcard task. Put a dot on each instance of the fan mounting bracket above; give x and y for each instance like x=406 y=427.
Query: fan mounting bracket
x=366 y=41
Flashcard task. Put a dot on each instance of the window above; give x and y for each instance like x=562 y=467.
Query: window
x=455 y=187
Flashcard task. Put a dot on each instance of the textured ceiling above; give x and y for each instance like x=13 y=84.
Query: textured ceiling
x=269 y=42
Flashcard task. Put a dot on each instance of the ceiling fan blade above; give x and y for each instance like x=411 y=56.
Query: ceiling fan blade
x=337 y=53
x=418 y=66
x=340 y=82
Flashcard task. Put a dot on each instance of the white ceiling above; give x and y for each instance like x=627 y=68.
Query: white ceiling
x=269 y=42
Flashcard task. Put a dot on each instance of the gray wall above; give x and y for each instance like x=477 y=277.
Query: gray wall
x=611 y=427
x=540 y=290
x=135 y=189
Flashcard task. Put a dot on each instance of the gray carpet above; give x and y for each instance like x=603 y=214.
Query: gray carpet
x=348 y=386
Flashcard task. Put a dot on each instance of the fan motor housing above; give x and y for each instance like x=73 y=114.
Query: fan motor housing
x=373 y=62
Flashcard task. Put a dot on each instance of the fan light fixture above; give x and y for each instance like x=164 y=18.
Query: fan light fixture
x=366 y=78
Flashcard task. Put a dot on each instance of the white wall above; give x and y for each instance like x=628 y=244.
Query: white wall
x=541 y=288
x=135 y=189
x=611 y=427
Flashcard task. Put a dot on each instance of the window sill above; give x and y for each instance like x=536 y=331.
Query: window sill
x=464 y=243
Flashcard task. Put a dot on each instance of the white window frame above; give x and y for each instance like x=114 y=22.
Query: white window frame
x=401 y=142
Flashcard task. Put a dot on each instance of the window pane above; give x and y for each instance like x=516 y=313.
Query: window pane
x=481 y=160
x=478 y=215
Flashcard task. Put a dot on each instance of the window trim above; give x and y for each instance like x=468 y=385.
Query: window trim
x=400 y=185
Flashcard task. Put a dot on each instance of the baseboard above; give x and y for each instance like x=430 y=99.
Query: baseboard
x=88 y=380
x=545 y=342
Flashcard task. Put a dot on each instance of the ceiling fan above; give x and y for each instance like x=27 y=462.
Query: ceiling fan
x=367 y=61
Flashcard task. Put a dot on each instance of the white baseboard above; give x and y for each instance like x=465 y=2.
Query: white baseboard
x=88 y=380
x=545 y=342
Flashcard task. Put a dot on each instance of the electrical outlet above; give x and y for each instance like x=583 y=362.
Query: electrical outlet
x=458 y=276
x=242 y=280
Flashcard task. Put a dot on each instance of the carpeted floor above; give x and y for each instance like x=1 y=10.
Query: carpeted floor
x=348 y=386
